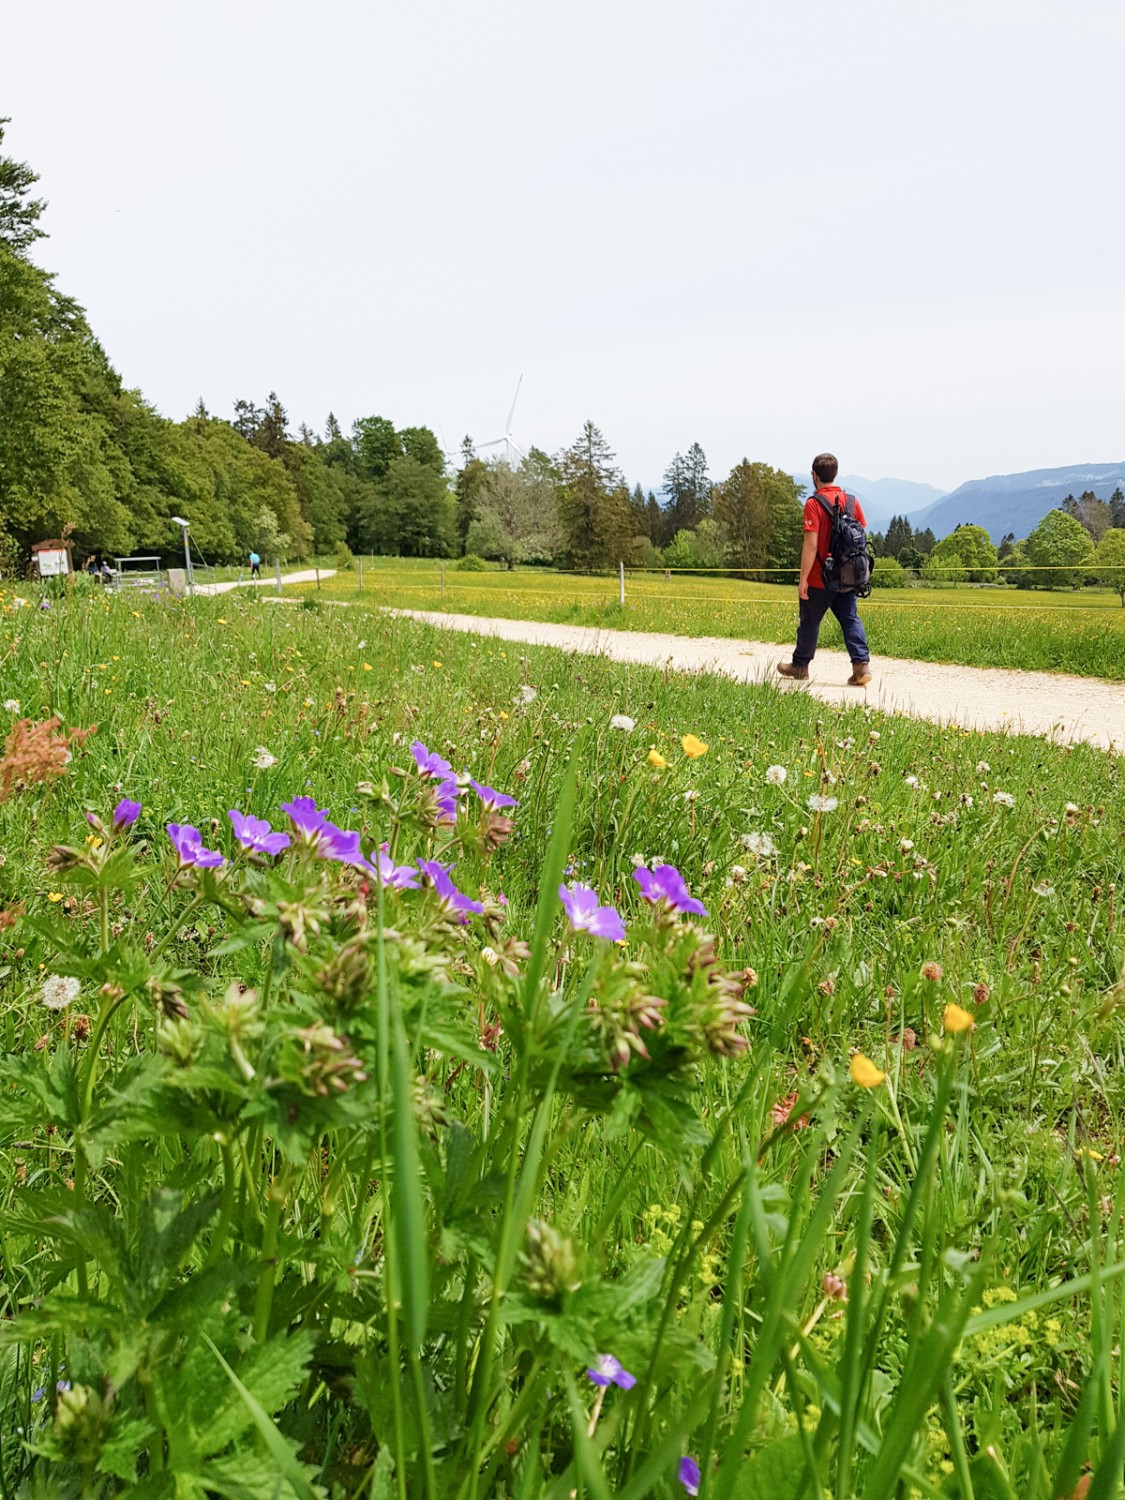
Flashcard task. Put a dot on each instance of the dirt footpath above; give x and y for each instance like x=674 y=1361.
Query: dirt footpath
x=1043 y=703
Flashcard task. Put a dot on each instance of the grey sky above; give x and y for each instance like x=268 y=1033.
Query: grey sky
x=894 y=229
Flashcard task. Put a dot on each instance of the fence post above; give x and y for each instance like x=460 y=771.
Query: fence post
x=277 y=572
x=621 y=568
x=317 y=567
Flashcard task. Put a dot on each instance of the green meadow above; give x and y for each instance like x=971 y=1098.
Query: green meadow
x=321 y=1181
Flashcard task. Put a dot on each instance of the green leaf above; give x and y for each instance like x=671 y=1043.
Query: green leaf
x=276 y=1446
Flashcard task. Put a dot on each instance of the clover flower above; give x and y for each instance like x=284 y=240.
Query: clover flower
x=429 y=762
x=606 y=1370
x=819 y=804
x=688 y=1474
x=125 y=814
x=491 y=800
x=188 y=844
x=11 y=705
x=666 y=884
x=623 y=722
x=776 y=775
x=255 y=835
x=450 y=899
x=59 y=991
x=585 y=914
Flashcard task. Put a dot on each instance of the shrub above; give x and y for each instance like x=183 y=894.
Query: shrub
x=889 y=574
x=471 y=563
x=344 y=558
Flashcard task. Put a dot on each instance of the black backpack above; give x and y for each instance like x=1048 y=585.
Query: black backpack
x=847 y=568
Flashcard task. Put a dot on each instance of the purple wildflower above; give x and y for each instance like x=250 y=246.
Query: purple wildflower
x=609 y=1371
x=429 y=762
x=490 y=799
x=256 y=835
x=666 y=884
x=689 y=1474
x=307 y=819
x=340 y=844
x=394 y=877
x=585 y=915
x=188 y=843
x=449 y=897
x=125 y=814
x=446 y=798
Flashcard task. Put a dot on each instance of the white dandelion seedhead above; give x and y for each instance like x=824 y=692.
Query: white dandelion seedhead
x=820 y=804
x=776 y=775
x=263 y=760
x=623 y=722
x=59 y=991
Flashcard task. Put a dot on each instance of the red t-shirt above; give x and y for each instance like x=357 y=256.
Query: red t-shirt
x=817 y=519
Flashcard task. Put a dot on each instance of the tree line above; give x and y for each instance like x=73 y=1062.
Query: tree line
x=83 y=455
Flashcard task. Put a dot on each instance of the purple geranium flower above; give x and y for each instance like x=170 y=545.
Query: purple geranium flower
x=689 y=1474
x=307 y=819
x=256 y=835
x=445 y=795
x=125 y=814
x=188 y=843
x=340 y=844
x=609 y=1371
x=394 y=877
x=429 y=762
x=585 y=915
x=449 y=897
x=490 y=799
x=666 y=884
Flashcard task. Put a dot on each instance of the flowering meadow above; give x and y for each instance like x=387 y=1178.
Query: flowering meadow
x=432 y=1069
x=1082 y=633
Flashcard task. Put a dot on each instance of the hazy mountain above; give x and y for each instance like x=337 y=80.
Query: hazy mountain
x=883 y=498
x=1015 y=502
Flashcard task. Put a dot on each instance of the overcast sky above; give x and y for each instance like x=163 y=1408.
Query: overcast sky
x=892 y=229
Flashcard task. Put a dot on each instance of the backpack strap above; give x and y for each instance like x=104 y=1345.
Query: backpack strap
x=849 y=505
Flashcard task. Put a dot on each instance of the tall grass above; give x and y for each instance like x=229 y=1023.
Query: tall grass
x=360 y=1221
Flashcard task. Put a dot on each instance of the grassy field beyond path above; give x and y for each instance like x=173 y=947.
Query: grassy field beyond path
x=1032 y=631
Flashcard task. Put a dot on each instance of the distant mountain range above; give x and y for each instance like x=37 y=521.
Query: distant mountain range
x=883 y=498
x=1015 y=503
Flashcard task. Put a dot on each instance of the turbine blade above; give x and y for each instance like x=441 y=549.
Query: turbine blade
x=515 y=398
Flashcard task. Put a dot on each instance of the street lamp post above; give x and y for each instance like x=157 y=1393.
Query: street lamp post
x=184 y=525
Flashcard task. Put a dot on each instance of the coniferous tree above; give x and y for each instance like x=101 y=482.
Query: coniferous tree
x=593 y=504
x=1117 y=509
x=688 y=490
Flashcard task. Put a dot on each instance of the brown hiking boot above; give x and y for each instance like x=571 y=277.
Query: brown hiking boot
x=861 y=674
x=791 y=669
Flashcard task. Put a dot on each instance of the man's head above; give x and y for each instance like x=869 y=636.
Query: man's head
x=825 y=468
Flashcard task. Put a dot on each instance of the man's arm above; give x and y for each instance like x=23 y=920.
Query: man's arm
x=808 y=557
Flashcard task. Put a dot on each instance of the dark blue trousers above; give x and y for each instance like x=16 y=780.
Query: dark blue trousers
x=813 y=610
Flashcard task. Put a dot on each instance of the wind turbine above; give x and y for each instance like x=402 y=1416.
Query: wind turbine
x=510 y=446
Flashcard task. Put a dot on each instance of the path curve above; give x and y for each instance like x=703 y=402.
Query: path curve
x=1059 y=707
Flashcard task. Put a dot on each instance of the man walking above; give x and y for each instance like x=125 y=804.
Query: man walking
x=815 y=599
x=255 y=565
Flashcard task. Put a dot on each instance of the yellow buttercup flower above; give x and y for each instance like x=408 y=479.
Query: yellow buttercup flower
x=656 y=759
x=955 y=1019
x=54 y=895
x=437 y=664
x=865 y=1073
x=693 y=747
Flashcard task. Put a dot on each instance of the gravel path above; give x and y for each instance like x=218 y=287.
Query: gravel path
x=1058 y=707
x=265 y=582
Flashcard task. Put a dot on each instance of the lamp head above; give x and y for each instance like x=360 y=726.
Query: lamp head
x=179 y=521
